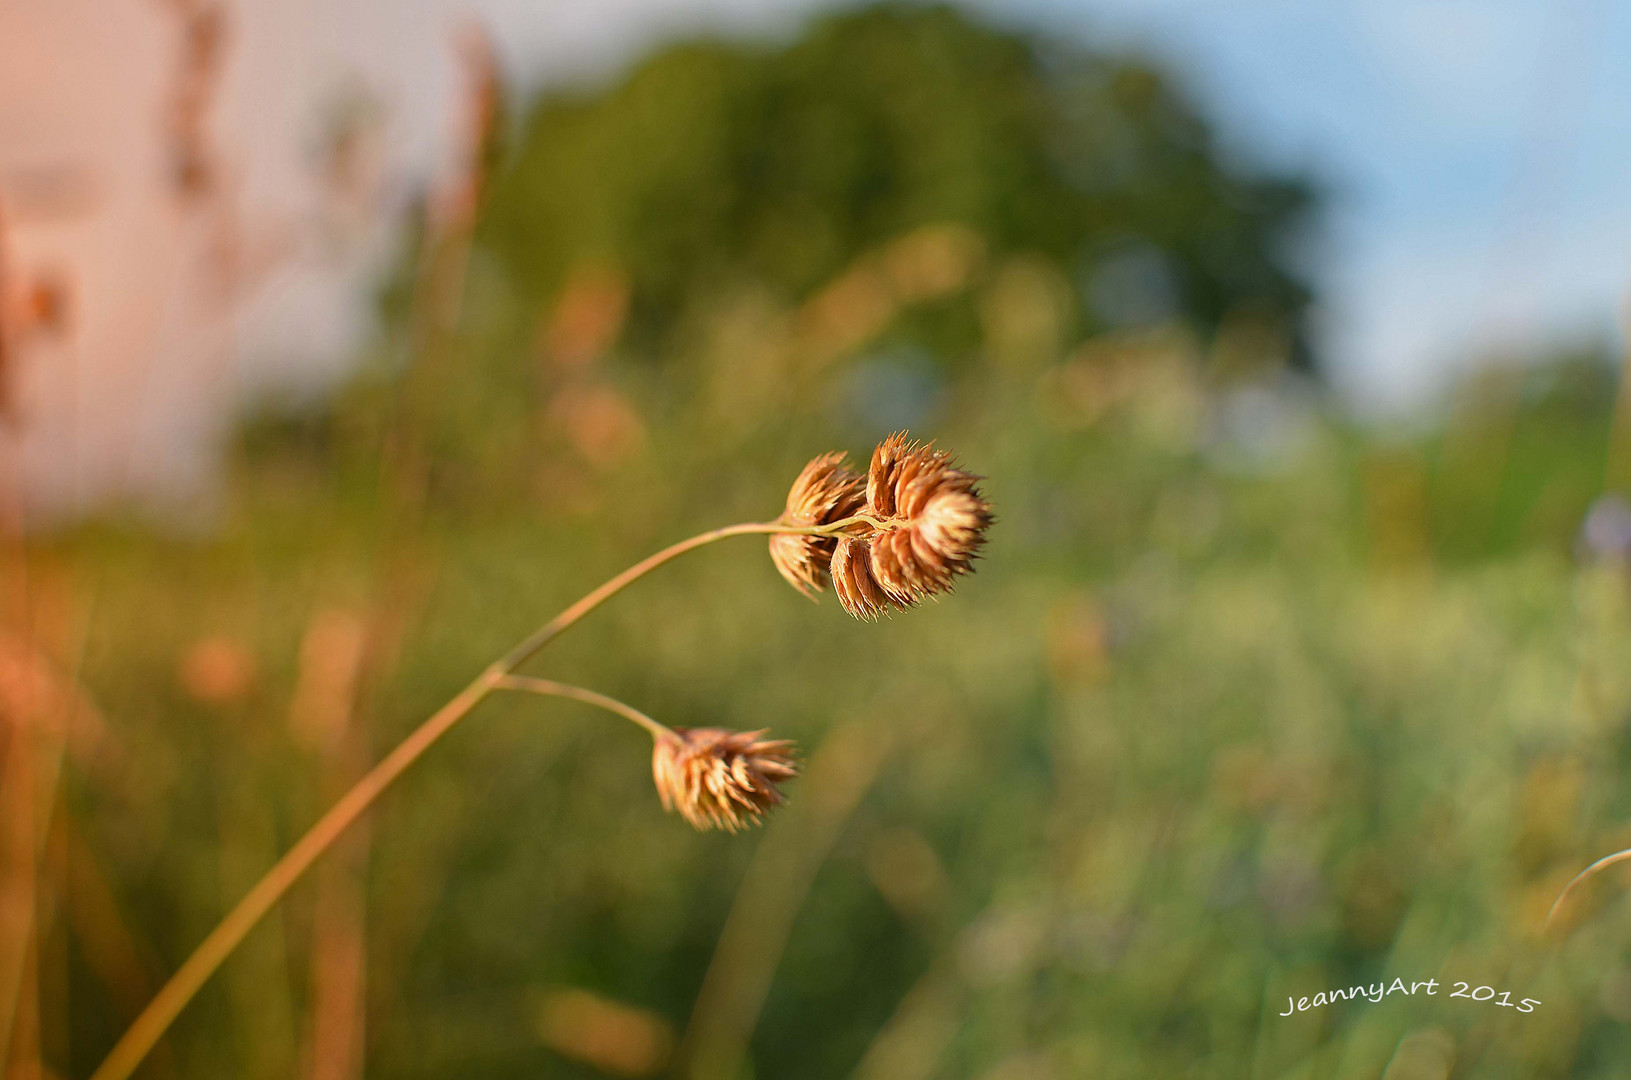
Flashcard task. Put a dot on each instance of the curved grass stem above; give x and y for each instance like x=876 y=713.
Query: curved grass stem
x=167 y=1004
x=550 y=688
x=1589 y=872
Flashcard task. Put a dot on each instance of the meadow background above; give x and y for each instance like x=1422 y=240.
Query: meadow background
x=1249 y=698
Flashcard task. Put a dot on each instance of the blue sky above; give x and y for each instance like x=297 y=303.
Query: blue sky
x=1478 y=151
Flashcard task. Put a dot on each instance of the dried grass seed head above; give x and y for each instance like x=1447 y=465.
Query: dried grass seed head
x=825 y=492
x=720 y=779
x=855 y=582
x=931 y=526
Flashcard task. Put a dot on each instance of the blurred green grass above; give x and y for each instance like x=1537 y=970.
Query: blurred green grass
x=1207 y=730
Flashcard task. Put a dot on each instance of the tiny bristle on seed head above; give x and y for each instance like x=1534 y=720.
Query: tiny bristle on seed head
x=720 y=779
x=825 y=492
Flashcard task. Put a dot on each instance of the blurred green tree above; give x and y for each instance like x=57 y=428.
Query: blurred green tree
x=713 y=163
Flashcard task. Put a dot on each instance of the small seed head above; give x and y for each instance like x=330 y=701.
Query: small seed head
x=855 y=582
x=720 y=779
x=825 y=492
x=931 y=522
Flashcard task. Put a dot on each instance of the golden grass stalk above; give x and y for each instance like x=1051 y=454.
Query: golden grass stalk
x=335 y=655
x=167 y=1004
x=193 y=165
x=714 y=778
x=19 y=890
x=1582 y=877
x=42 y=714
